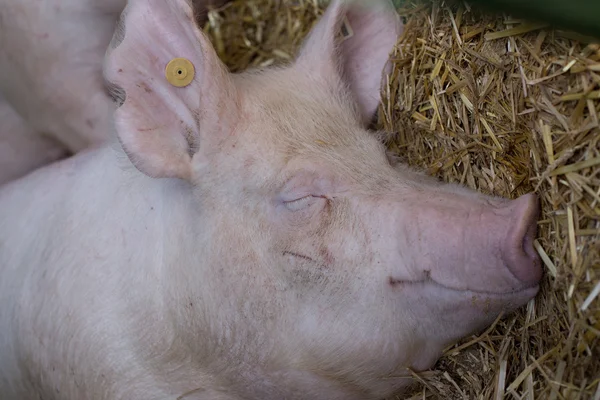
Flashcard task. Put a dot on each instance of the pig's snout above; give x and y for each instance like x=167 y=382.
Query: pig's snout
x=519 y=254
x=463 y=243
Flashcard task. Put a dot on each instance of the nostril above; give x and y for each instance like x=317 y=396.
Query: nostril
x=519 y=254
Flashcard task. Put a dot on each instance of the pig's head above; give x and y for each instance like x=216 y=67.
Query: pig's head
x=309 y=257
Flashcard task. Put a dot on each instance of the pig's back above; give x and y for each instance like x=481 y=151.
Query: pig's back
x=80 y=283
x=29 y=208
x=30 y=211
x=56 y=316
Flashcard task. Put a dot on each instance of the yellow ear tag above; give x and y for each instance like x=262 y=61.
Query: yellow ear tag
x=180 y=72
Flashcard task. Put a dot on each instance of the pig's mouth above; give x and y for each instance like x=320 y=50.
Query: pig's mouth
x=400 y=284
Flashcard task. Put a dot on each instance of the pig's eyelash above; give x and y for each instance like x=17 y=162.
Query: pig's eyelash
x=299 y=204
x=297 y=255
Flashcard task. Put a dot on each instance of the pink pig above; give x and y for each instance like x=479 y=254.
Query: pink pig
x=51 y=54
x=247 y=237
x=21 y=148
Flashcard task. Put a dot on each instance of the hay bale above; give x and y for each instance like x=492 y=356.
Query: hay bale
x=504 y=107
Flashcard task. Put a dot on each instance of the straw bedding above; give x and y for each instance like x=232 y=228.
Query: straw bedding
x=505 y=107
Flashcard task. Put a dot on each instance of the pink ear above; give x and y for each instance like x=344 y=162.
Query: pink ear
x=362 y=58
x=161 y=125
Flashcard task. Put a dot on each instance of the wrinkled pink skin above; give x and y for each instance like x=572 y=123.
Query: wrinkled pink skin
x=247 y=238
x=51 y=54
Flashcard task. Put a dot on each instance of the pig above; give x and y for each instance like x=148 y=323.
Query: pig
x=22 y=149
x=51 y=55
x=247 y=237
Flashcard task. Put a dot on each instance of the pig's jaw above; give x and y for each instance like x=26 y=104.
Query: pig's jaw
x=454 y=314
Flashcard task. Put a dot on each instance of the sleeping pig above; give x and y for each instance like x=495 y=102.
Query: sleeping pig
x=246 y=237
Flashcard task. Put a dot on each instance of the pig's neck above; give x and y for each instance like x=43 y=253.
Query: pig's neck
x=134 y=245
x=189 y=290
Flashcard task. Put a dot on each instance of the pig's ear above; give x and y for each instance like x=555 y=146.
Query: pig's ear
x=173 y=87
x=360 y=57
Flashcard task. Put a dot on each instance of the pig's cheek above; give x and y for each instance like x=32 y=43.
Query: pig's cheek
x=302 y=272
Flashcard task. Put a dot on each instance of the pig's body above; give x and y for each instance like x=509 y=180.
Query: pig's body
x=247 y=238
x=86 y=312
x=97 y=293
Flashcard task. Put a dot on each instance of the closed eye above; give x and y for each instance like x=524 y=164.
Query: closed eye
x=298 y=255
x=299 y=204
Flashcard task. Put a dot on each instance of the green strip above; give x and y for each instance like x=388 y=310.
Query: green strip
x=582 y=16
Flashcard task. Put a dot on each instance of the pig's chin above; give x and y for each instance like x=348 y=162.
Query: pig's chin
x=457 y=313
